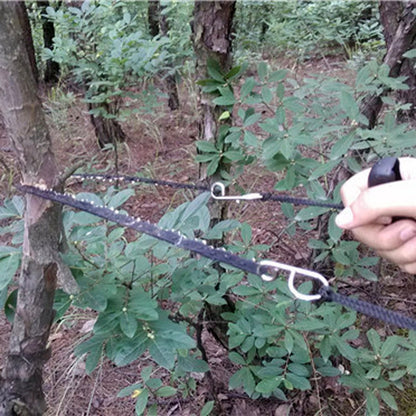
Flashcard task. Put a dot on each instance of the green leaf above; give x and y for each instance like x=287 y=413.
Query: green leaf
x=129 y=390
x=213 y=166
x=236 y=358
x=131 y=349
x=262 y=70
x=278 y=75
x=222 y=227
x=341 y=147
x=250 y=139
x=162 y=352
x=8 y=268
x=245 y=290
x=299 y=369
x=345 y=349
x=323 y=169
x=289 y=342
x=234 y=155
x=233 y=72
x=192 y=364
x=214 y=70
x=208 y=147
x=411 y=53
x=374 y=339
x=309 y=213
x=225 y=115
x=389 y=346
x=254 y=118
x=334 y=231
x=128 y=324
x=225 y=100
x=120 y=198
x=372 y=404
x=247 y=87
x=268 y=385
x=141 y=402
x=301 y=383
x=388 y=398
x=349 y=105
x=373 y=373
x=207 y=409
x=166 y=391
x=266 y=94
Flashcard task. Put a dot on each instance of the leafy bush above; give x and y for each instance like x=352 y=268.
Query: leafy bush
x=306 y=27
x=106 y=48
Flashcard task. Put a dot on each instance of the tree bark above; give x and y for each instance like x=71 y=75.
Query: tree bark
x=21 y=382
x=153 y=17
x=27 y=36
x=158 y=24
x=52 y=69
x=107 y=130
x=399 y=26
x=212 y=28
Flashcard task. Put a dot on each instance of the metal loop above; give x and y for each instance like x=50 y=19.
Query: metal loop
x=291 y=281
x=221 y=187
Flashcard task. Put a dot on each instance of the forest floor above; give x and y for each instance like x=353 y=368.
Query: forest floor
x=162 y=146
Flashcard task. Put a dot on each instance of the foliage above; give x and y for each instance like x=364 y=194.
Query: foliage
x=148 y=296
x=107 y=49
x=307 y=133
x=305 y=28
x=284 y=121
x=279 y=344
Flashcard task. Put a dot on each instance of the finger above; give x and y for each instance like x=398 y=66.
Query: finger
x=387 y=200
x=403 y=254
x=354 y=186
x=407 y=168
x=409 y=268
x=386 y=238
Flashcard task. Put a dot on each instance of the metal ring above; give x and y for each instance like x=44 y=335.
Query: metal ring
x=217 y=185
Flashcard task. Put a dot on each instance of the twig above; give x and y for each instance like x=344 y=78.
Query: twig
x=69 y=171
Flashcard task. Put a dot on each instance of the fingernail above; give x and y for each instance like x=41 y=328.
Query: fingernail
x=344 y=218
x=407 y=234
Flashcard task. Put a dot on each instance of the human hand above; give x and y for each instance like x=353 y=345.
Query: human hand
x=369 y=213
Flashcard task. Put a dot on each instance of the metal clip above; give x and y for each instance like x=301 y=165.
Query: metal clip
x=291 y=281
x=221 y=187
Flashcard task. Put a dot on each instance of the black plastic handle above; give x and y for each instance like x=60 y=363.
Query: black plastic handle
x=384 y=171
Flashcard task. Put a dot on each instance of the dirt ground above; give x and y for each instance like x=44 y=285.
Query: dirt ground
x=163 y=146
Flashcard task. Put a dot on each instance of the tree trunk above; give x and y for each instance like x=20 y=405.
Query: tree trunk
x=27 y=36
x=158 y=24
x=153 y=17
x=211 y=27
x=52 y=69
x=107 y=130
x=21 y=382
x=399 y=26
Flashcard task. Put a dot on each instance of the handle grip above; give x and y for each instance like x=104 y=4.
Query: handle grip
x=384 y=171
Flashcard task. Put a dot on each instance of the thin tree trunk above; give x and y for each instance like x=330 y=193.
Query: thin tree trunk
x=52 y=69
x=153 y=17
x=107 y=130
x=211 y=27
x=399 y=25
x=21 y=382
x=158 y=25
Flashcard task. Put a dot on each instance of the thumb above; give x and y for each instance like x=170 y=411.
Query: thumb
x=372 y=204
